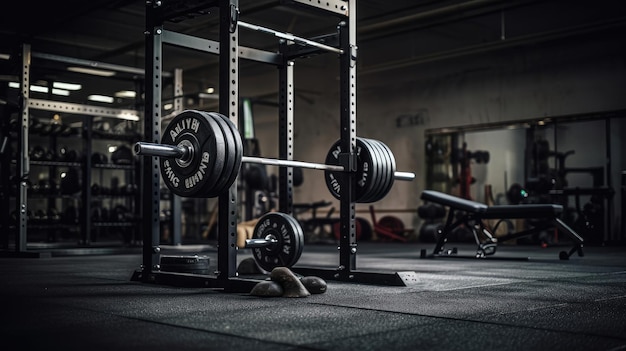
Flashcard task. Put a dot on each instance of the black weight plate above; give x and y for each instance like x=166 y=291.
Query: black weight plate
x=392 y=168
x=363 y=177
x=238 y=150
x=377 y=169
x=299 y=239
x=185 y=264
x=383 y=174
x=287 y=250
x=229 y=158
x=193 y=179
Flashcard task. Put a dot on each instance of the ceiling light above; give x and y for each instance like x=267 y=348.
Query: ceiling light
x=168 y=106
x=128 y=116
x=210 y=90
x=67 y=86
x=95 y=72
x=38 y=89
x=5 y=56
x=61 y=92
x=125 y=94
x=41 y=89
x=101 y=98
x=207 y=96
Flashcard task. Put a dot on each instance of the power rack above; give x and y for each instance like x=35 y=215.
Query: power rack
x=341 y=42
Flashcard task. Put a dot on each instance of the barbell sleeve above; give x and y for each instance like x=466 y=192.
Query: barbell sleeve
x=407 y=176
x=254 y=243
x=160 y=150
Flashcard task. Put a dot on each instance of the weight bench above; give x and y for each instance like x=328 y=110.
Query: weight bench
x=472 y=214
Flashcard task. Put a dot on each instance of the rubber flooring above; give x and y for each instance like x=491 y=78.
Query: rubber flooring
x=521 y=298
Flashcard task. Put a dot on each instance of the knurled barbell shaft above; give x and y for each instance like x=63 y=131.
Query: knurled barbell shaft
x=173 y=151
x=290 y=163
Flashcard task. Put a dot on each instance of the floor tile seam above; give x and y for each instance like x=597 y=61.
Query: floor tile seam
x=238 y=336
x=531 y=279
x=471 y=320
x=178 y=326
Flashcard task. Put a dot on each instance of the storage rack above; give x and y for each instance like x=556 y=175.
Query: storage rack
x=160 y=12
x=23 y=162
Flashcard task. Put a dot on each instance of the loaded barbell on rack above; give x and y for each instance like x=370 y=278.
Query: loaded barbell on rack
x=201 y=154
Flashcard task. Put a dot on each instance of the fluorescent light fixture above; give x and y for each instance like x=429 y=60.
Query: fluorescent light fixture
x=67 y=86
x=38 y=89
x=128 y=116
x=101 y=98
x=41 y=89
x=61 y=92
x=95 y=72
x=207 y=96
x=5 y=56
x=125 y=94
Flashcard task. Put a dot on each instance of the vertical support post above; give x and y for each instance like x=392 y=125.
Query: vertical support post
x=228 y=101
x=152 y=132
x=608 y=214
x=23 y=162
x=85 y=223
x=176 y=200
x=347 y=81
x=285 y=133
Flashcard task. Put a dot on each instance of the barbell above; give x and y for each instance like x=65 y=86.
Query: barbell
x=201 y=154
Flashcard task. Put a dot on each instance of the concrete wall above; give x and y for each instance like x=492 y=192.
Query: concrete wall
x=529 y=82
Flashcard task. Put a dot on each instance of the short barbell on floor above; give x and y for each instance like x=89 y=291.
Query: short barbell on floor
x=201 y=154
x=277 y=241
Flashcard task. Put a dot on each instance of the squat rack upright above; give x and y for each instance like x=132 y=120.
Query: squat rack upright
x=157 y=13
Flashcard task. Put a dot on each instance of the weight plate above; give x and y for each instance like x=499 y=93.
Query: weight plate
x=299 y=236
x=377 y=169
x=193 y=177
x=288 y=248
x=237 y=150
x=391 y=170
x=384 y=171
x=364 y=178
x=229 y=155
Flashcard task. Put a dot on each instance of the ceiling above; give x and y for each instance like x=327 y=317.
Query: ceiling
x=391 y=35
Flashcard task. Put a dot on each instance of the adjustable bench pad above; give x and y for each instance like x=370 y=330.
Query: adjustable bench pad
x=493 y=212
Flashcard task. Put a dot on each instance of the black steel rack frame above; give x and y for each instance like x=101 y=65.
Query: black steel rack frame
x=226 y=277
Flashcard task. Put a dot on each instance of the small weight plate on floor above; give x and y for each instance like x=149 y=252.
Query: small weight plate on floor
x=299 y=238
x=193 y=177
x=288 y=248
x=185 y=264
